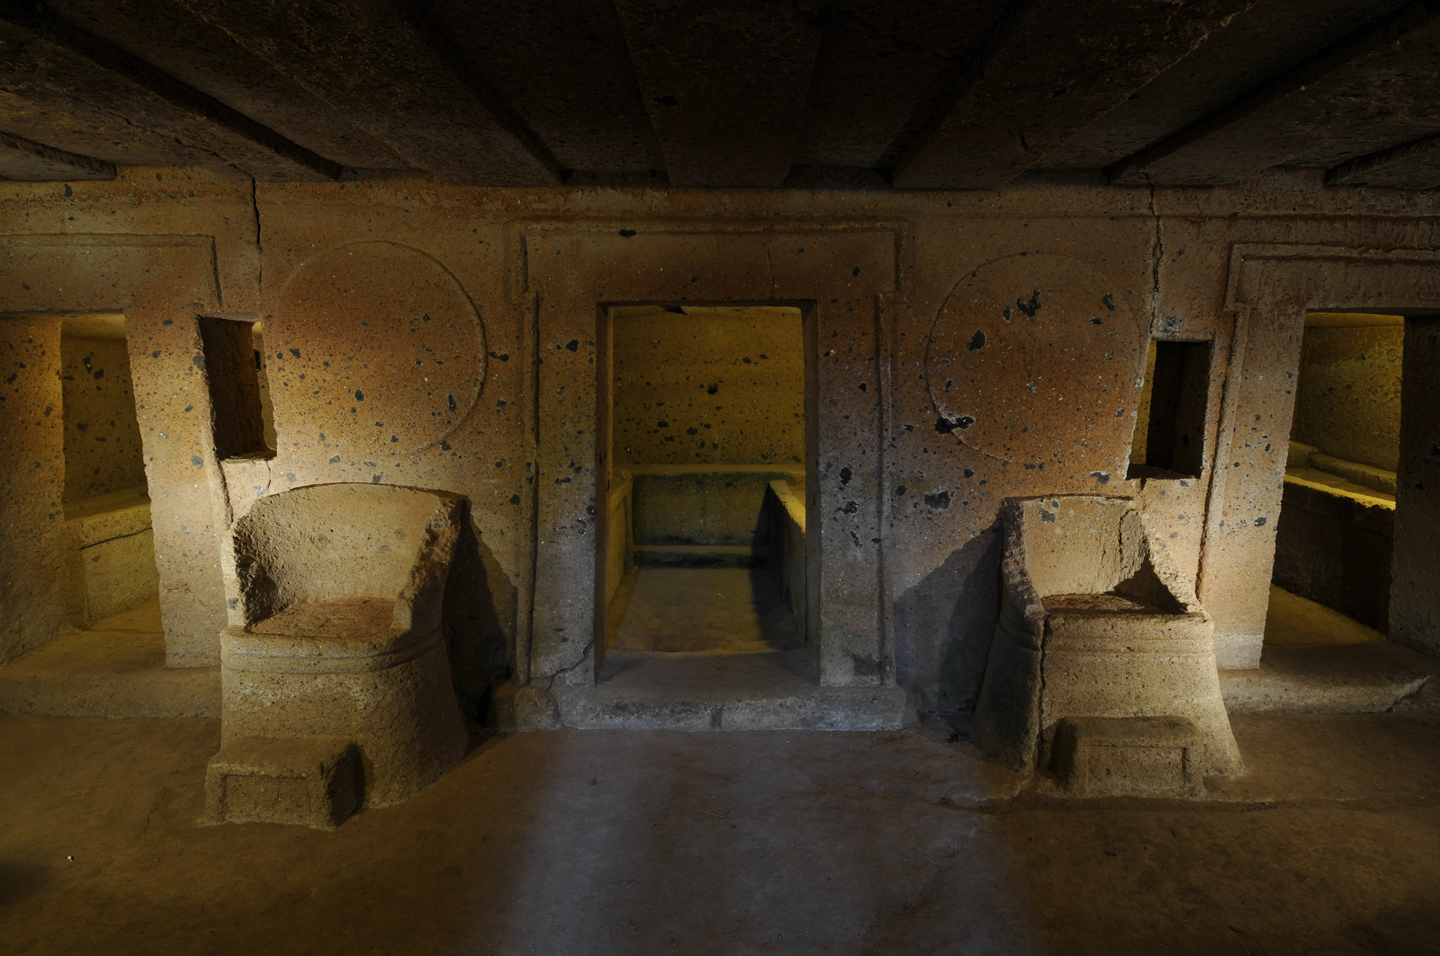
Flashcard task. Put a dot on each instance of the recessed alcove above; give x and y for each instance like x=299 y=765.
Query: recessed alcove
x=244 y=424
x=1172 y=417
x=704 y=540
x=110 y=544
x=1334 y=540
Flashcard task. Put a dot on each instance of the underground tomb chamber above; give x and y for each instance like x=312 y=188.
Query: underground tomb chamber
x=335 y=677
x=1102 y=663
x=706 y=420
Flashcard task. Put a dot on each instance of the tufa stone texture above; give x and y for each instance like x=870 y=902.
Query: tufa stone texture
x=1098 y=756
x=111 y=555
x=1414 y=612
x=1336 y=548
x=102 y=438
x=709 y=386
x=335 y=609
x=315 y=782
x=522 y=708
x=904 y=546
x=1348 y=404
x=374 y=344
x=33 y=605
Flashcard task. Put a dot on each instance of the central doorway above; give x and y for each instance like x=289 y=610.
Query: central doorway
x=703 y=446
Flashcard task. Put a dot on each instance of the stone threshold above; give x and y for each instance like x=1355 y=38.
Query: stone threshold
x=119 y=673
x=700 y=556
x=649 y=690
x=1367 y=678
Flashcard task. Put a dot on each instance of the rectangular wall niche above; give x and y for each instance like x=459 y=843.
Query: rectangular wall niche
x=239 y=403
x=1170 y=424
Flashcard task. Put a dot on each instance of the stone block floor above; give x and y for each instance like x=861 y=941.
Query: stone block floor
x=114 y=668
x=597 y=842
x=1317 y=660
x=1294 y=621
x=711 y=610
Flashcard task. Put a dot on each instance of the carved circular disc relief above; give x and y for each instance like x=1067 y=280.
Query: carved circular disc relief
x=1035 y=359
x=376 y=345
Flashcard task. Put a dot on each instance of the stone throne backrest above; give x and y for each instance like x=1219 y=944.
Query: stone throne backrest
x=334 y=543
x=1087 y=544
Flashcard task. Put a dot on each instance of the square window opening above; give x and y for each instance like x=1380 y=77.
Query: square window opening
x=1171 y=422
x=239 y=393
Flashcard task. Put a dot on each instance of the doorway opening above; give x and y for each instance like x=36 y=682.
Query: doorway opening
x=1334 y=540
x=110 y=544
x=705 y=441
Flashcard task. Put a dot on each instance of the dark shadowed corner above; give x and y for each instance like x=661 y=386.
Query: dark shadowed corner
x=943 y=626
x=479 y=621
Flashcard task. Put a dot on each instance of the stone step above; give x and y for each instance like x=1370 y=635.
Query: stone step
x=1368 y=678
x=1127 y=756
x=311 y=781
x=644 y=690
x=101 y=673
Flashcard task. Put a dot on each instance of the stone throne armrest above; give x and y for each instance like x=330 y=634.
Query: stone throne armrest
x=418 y=607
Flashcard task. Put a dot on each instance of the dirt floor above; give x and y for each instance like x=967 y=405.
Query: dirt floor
x=576 y=842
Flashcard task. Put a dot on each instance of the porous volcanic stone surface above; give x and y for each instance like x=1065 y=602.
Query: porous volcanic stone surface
x=902 y=502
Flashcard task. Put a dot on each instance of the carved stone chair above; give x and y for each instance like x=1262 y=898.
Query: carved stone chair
x=335 y=674
x=1102 y=664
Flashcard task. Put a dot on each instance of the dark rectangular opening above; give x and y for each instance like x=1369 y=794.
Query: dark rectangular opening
x=1172 y=416
x=703 y=432
x=110 y=545
x=233 y=366
x=1334 y=539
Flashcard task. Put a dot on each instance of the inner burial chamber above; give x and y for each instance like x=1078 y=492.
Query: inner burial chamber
x=110 y=544
x=704 y=544
x=1334 y=540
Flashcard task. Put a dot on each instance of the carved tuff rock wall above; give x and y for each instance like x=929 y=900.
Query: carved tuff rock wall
x=1348 y=402
x=1414 y=610
x=709 y=386
x=33 y=604
x=102 y=437
x=966 y=347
